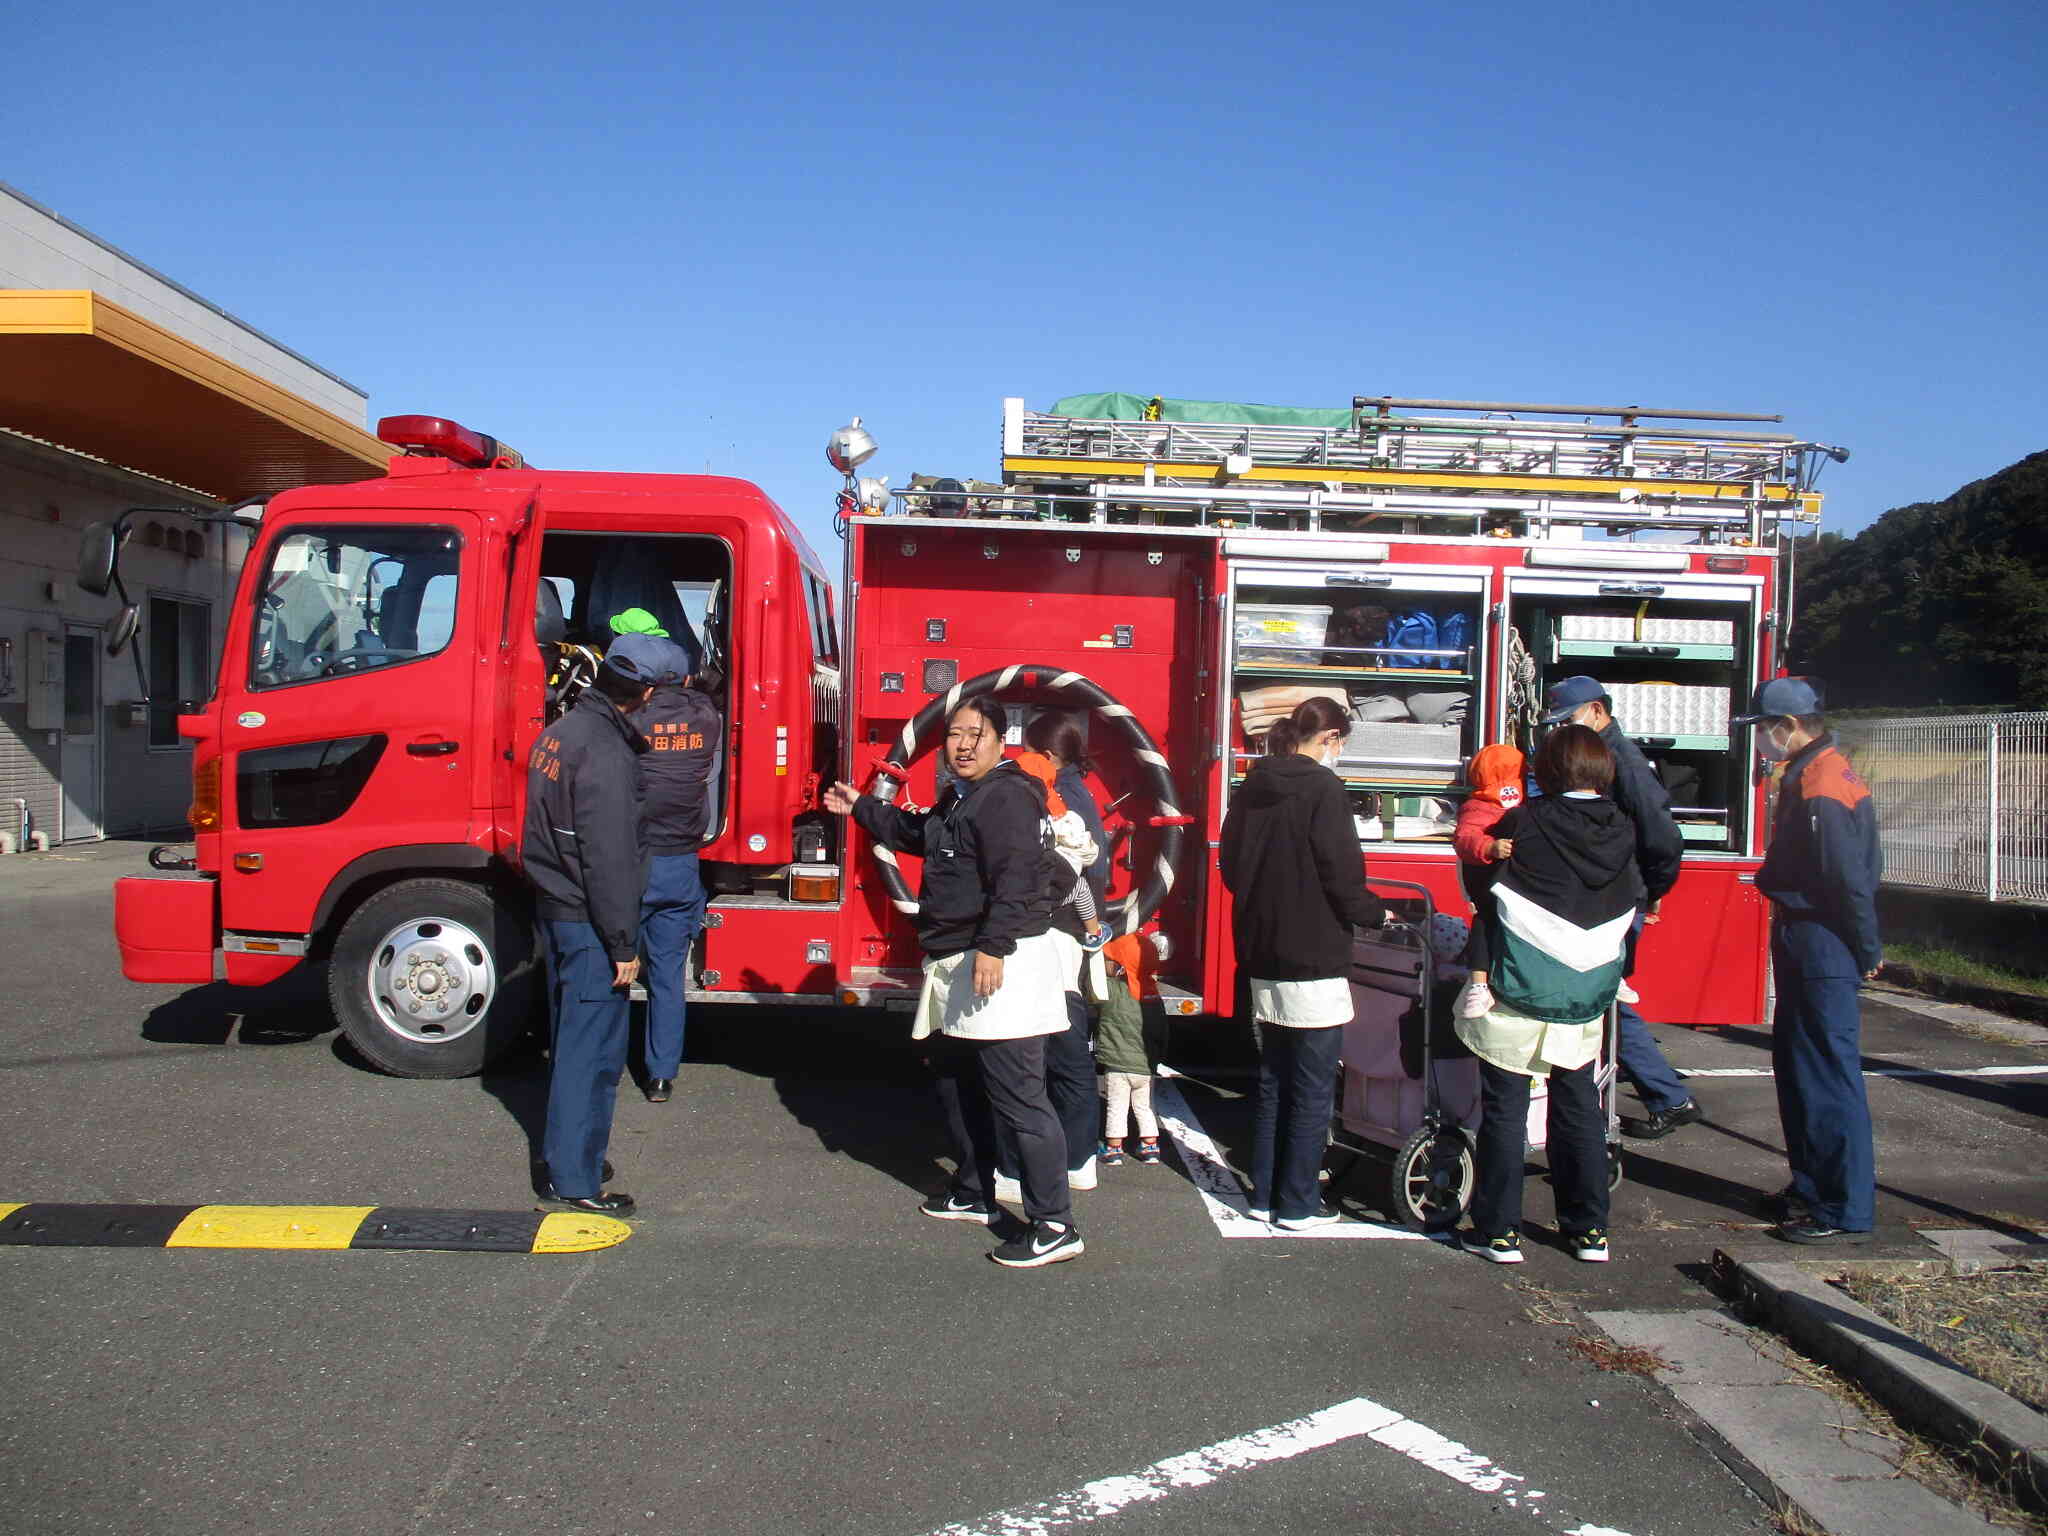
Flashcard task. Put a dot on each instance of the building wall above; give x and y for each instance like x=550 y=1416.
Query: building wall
x=47 y=497
x=39 y=249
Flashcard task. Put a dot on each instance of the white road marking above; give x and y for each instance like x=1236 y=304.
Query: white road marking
x=1107 y=1497
x=1221 y=1194
x=2022 y=1071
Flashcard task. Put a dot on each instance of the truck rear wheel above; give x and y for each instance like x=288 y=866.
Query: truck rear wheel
x=434 y=978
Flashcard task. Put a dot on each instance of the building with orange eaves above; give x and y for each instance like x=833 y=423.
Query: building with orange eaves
x=124 y=394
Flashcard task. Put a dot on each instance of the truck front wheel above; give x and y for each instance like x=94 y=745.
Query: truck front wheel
x=434 y=978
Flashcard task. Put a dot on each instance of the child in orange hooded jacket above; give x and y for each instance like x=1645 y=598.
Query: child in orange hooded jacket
x=1495 y=775
x=1072 y=842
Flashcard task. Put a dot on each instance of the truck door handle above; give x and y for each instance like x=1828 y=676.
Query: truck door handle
x=431 y=748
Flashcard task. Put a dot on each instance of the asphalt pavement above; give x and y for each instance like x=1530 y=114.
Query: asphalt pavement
x=785 y=1345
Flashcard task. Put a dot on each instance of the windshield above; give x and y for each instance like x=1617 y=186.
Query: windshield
x=340 y=600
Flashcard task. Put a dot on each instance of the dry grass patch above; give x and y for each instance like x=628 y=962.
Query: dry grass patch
x=1623 y=1359
x=1994 y=1325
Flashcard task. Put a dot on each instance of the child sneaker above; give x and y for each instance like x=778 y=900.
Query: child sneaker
x=1504 y=1249
x=1091 y=942
x=1148 y=1150
x=1110 y=1154
x=1591 y=1246
x=1627 y=994
x=1476 y=1001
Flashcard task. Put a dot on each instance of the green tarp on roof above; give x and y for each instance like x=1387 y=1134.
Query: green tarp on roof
x=1120 y=407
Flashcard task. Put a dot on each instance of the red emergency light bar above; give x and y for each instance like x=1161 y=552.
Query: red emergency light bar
x=444 y=439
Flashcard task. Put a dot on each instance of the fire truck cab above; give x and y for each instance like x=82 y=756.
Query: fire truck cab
x=359 y=773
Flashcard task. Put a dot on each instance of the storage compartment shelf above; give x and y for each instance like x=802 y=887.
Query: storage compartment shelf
x=1350 y=674
x=1436 y=788
x=1640 y=650
x=1682 y=743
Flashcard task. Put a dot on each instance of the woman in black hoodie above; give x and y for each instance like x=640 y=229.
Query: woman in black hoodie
x=1291 y=861
x=1554 y=948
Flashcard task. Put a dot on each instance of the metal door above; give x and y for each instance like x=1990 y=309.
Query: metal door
x=79 y=763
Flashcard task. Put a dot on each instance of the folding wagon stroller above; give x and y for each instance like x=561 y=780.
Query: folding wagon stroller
x=1410 y=1088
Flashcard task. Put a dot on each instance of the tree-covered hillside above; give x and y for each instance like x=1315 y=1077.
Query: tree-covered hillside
x=1940 y=602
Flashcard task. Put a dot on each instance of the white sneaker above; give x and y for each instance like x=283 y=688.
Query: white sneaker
x=1627 y=994
x=1476 y=1001
x=1008 y=1189
x=1320 y=1218
x=1259 y=1215
x=1082 y=1177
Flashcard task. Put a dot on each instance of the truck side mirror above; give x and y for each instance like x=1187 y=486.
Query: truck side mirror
x=123 y=630
x=97 y=547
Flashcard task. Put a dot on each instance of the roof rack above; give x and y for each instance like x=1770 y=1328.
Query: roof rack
x=1491 y=469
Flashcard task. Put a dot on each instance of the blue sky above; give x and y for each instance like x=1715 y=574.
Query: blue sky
x=623 y=241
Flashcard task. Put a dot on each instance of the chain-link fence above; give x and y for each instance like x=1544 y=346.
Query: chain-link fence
x=1962 y=800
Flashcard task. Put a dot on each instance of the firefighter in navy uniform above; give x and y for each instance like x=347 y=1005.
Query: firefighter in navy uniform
x=679 y=778
x=1820 y=873
x=581 y=849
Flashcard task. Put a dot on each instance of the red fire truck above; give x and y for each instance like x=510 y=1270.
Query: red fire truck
x=1178 y=571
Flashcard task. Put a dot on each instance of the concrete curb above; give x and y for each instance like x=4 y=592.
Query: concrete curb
x=2005 y=1440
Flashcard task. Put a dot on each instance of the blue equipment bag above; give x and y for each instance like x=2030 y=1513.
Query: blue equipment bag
x=1453 y=633
x=1417 y=627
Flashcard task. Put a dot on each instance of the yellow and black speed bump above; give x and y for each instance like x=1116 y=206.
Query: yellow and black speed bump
x=49 y=1225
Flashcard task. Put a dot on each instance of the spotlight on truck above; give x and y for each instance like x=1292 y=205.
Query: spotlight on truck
x=850 y=447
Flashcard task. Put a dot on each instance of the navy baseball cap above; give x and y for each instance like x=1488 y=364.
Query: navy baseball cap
x=1780 y=697
x=678 y=665
x=1568 y=695
x=639 y=658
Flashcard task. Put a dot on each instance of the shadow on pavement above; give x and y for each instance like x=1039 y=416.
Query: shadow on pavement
x=1689 y=1183
x=520 y=1084
x=288 y=1011
x=1955 y=1214
x=849 y=1076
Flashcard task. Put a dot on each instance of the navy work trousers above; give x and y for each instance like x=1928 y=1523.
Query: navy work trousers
x=1575 y=1138
x=1291 y=1116
x=1070 y=1085
x=1655 y=1081
x=591 y=1024
x=1817 y=1058
x=986 y=1085
x=671 y=913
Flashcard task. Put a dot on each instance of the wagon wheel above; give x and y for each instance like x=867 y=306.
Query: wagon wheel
x=1433 y=1177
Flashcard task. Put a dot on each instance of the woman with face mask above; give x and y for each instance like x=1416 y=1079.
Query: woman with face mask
x=1291 y=860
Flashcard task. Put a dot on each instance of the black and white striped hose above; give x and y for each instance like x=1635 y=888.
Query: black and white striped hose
x=1066 y=690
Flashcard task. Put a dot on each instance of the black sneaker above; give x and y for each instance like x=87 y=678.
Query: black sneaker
x=615 y=1203
x=1042 y=1243
x=954 y=1206
x=1811 y=1229
x=1663 y=1122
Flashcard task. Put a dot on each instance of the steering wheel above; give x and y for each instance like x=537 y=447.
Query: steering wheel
x=356 y=659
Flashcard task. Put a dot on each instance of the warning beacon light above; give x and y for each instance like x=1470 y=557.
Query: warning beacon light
x=437 y=437
x=850 y=447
